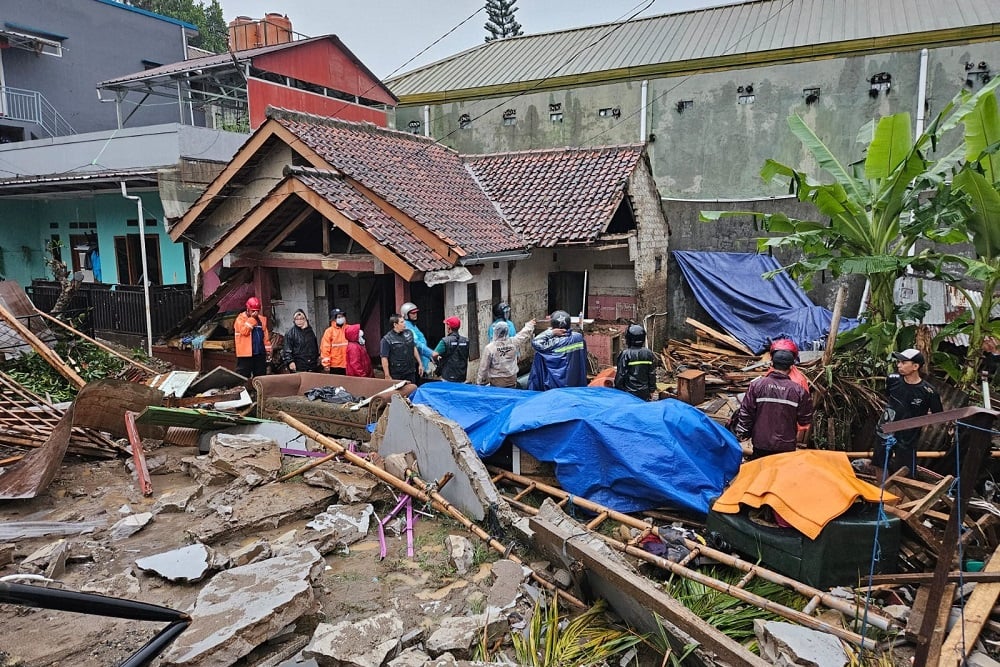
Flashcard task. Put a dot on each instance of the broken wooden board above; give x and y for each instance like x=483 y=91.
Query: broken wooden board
x=962 y=639
x=193 y=418
x=635 y=600
x=32 y=474
x=718 y=336
x=43 y=350
x=115 y=398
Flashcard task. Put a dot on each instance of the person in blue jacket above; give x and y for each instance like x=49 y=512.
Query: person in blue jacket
x=560 y=356
x=409 y=312
x=501 y=313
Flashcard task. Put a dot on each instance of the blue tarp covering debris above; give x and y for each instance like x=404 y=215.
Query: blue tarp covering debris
x=754 y=310
x=608 y=446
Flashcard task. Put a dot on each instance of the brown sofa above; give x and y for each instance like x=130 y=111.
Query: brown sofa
x=286 y=393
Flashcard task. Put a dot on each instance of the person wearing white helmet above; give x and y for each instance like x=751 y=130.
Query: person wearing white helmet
x=409 y=311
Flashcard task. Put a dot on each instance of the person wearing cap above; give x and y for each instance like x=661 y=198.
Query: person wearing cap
x=301 y=351
x=773 y=408
x=498 y=365
x=333 y=349
x=252 y=340
x=907 y=395
x=452 y=353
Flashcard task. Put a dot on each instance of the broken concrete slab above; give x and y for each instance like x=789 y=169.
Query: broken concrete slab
x=441 y=446
x=7 y=553
x=122 y=585
x=352 y=484
x=240 y=609
x=349 y=521
x=281 y=433
x=251 y=553
x=508 y=577
x=250 y=457
x=460 y=551
x=129 y=526
x=51 y=557
x=261 y=508
x=185 y=565
x=177 y=500
x=411 y=657
x=459 y=634
x=365 y=643
x=204 y=471
x=786 y=644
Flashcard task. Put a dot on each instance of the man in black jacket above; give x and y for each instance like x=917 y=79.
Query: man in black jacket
x=400 y=357
x=909 y=395
x=636 y=367
x=773 y=408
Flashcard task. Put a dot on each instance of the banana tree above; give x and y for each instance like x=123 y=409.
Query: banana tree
x=979 y=182
x=872 y=212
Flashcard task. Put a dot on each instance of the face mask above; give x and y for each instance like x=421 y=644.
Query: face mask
x=361 y=338
x=341 y=320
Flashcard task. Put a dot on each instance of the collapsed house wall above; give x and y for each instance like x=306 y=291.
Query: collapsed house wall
x=441 y=446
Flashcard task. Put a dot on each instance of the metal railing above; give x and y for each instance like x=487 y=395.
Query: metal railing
x=111 y=311
x=30 y=106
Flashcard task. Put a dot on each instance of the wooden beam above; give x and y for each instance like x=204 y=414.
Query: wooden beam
x=718 y=336
x=253 y=219
x=305 y=260
x=963 y=636
x=611 y=581
x=43 y=350
x=289 y=228
x=99 y=344
x=249 y=149
x=213 y=299
x=395 y=263
x=916 y=578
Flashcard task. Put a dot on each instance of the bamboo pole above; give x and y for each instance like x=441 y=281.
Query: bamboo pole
x=309 y=466
x=831 y=338
x=436 y=500
x=43 y=350
x=726 y=559
x=99 y=344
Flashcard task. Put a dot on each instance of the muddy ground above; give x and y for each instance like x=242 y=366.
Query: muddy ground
x=354 y=586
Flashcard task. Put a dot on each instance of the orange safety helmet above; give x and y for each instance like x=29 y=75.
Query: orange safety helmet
x=253 y=303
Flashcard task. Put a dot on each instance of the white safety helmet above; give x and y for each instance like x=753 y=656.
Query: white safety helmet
x=407 y=308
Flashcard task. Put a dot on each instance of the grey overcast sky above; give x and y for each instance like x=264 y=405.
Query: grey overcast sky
x=384 y=34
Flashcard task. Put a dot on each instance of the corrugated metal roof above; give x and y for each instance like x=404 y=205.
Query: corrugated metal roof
x=729 y=31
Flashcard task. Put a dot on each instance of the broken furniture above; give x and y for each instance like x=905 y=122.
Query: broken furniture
x=840 y=555
x=286 y=393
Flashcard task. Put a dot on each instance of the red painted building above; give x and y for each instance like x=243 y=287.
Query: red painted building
x=232 y=91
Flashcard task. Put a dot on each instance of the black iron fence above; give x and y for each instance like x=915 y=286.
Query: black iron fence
x=114 y=311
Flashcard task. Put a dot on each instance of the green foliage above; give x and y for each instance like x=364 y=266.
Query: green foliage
x=35 y=374
x=552 y=640
x=213 y=33
x=500 y=21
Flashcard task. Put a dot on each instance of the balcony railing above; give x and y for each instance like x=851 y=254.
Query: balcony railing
x=30 y=106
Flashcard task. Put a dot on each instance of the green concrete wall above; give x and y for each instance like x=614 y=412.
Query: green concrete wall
x=26 y=227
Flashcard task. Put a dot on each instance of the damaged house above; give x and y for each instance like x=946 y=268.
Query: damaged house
x=323 y=213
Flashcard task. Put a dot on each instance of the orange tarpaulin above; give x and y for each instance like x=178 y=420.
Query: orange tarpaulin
x=807 y=488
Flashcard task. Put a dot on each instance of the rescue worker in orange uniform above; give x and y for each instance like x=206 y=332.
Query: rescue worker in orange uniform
x=333 y=348
x=253 y=340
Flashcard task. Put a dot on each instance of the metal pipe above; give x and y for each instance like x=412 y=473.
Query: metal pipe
x=427 y=120
x=145 y=268
x=642 y=111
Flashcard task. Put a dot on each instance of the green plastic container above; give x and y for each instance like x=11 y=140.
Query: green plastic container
x=840 y=556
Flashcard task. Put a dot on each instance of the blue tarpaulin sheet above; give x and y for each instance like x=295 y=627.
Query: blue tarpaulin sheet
x=608 y=447
x=750 y=308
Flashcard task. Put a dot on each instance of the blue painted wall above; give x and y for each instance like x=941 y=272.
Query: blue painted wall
x=30 y=225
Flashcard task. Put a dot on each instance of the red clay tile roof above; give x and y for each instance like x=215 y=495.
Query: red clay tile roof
x=424 y=179
x=388 y=231
x=558 y=196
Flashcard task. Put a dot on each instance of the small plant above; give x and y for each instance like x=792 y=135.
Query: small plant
x=551 y=640
x=661 y=644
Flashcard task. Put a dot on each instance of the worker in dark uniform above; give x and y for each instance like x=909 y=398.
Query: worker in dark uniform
x=560 y=356
x=636 y=366
x=400 y=358
x=908 y=395
x=773 y=408
x=452 y=353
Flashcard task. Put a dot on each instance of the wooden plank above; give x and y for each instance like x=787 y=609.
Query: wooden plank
x=192 y=418
x=916 y=578
x=962 y=639
x=615 y=584
x=726 y=339
x=43 y=350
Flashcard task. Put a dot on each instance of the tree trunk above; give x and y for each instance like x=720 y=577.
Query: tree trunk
x=67 y=286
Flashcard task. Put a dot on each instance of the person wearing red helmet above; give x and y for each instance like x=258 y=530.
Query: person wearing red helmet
x=795 y=375
x=253 y=340
x=452 y=353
